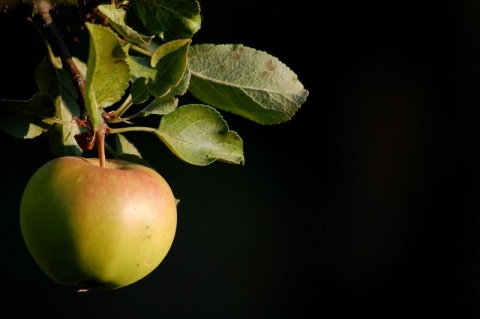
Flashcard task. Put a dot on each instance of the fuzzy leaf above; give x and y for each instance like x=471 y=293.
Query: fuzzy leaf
x=141 y=67
x=117 y=20
x=27 y=119
x=139 y=91
x=198 y=135
x=246 y=82
x=127 y=151
x=160 y=106
x=169 y=19
x=51 y=78
x=124 y=146
x=170 y=61
x=108 y=73
x=167 y=103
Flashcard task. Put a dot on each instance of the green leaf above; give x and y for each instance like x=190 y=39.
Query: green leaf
x=246 y=82
x=117 y=20
x=127 y=151
x=139 y=91
x=141 y=67
x=108 y=73
x=124 y=146
x=167 y=103
x=169 y=19
x=51 y=78
x=160 y=105
x=27 y=119
x=143 y=73
x=198 y=135
x=182 y=86
x=170 y=61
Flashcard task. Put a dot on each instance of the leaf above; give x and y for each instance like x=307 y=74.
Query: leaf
x=170 y=61
x=117 y=20
x=108 y=73
x=169 y=19
x=160 y=106
x=126 y=151
x=51 y=78
x=167 y=103
x=168 y=90
x=124 y=146
x=139 y=91
x=141 y=67
x=27 y=119
x=246 y=82
x=198 y=135
x=182 y=86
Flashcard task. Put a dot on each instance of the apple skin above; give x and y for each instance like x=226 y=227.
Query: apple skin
x=95 y=227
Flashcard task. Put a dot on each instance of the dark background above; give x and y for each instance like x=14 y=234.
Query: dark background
x=364 y=205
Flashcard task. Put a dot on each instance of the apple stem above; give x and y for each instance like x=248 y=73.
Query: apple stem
x=100 y=140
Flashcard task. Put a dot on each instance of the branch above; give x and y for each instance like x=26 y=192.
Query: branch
x=59 y=47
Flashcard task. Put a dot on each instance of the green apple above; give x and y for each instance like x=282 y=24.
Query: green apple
x=96 y=227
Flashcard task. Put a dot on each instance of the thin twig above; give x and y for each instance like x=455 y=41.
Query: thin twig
x=59 y=47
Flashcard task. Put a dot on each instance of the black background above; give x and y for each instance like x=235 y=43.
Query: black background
x=364 y=205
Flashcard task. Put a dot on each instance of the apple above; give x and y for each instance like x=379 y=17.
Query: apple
x=96 y=227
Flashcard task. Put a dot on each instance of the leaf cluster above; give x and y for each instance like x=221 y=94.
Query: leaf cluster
x=141 y=61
